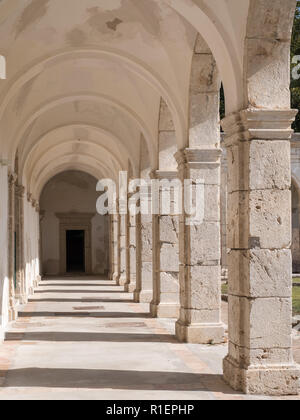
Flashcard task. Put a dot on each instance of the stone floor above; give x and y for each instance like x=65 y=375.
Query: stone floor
x=85 y=339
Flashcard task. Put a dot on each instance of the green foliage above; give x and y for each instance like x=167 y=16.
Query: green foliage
x=295 y=50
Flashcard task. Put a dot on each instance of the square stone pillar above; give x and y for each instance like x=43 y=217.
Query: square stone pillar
x=165 y=303
x=260 y=357
x=12 y=178
x=20 y=289
x=116 y=247
x=123 y=249
x=200 y=253
x=111 y=247
x=132 y=250
x=144 y=289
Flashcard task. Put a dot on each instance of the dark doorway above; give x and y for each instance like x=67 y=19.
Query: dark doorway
x=75 y=251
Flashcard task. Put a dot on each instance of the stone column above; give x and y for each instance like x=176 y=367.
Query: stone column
x=123 y=249
x=20 y=290
x=12 y=178
x=260 y=357
x=199 y=254
x=143 y=292
x=116 y=248
x=38 y=278
x=165 y=303
x=132 y=260
x=110 y=247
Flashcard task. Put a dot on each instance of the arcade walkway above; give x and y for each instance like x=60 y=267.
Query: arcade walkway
x=85 y=339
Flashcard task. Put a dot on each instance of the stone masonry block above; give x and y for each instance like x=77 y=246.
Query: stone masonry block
x=261 y=322
x=259 y=219
x=260 y=273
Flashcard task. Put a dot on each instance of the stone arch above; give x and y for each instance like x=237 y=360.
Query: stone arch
x=90 y=97
x=55 y=132
x=135 y=66
x=89 y=163
x=267 y=52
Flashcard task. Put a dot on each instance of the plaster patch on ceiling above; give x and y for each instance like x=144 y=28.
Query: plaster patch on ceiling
x=32 y=14
x=76 y=37
x=114 y=24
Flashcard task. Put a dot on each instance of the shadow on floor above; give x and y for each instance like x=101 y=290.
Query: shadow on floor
x=57 y=300
x=90 y=337
x=77 y=285
x=84 y=315
x=114 y=379
x=70 y=292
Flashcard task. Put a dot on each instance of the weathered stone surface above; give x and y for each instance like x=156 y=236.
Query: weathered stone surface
x=204 y=244
x=267 y=72
x=260 y=273
x=261 y=357
x=204 y=75
x=169 y=229
x=267 y=380
x=169 y=283
x=168 y=148
x=201 y=46
x=169 y=257
x=259 y=219
x=165 y=118
x=258 y=165
x=203 y=120
x=205 y=287
x=261 y=322
x=199 y=316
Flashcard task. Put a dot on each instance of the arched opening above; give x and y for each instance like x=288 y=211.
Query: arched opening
x=74 y=237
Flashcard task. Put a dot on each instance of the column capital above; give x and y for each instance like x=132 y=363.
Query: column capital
x=196 y=158
x=258 y=124
x=12 y=178
x=20 y=190
x=36 y=205
x=29 y=197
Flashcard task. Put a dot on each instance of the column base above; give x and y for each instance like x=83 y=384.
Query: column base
x=12 y=314
x=22 y=299
x=165 y=310
x=116 y=277
x=200 y=333
x=130 y=288
x=262 y=380
x=37 y=281
x=143 y=296
x=122 y=280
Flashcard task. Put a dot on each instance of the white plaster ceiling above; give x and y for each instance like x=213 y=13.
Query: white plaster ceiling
x=85 y=77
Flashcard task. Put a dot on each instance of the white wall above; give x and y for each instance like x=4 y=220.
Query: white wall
x=72 y=192
x=4 y=286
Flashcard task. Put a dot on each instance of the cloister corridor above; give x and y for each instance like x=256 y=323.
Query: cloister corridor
x=74 y=322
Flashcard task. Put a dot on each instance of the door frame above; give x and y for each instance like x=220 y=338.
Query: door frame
x=75 y=221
